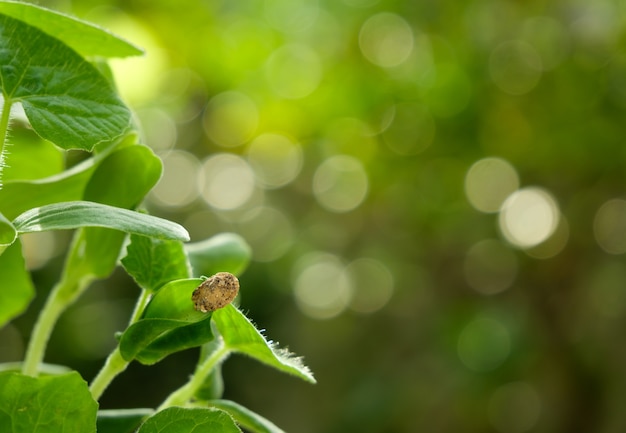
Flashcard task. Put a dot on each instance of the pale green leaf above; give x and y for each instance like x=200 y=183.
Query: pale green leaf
x=181 y=420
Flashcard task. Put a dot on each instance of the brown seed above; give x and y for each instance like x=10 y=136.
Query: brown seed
x=215 y=292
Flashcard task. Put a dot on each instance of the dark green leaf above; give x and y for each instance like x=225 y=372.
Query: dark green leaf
x=240 y=335
x=180 y=420
x=46 y=404
x=71 y=215
x=16 y=289
x=226 y=252
x=246 y=418
x=85 y=38
x=121 y=420
x=154 y=262
x=65 y=98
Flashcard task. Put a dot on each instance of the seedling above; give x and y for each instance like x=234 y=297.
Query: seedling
x=54 y=67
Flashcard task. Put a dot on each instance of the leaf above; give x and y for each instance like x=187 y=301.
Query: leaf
x=8 y=234
x=85 y=38
x=240 y=335
x=225 y=252
x=121 y=420
x=16 y=289
x=65 y=98
x=173 y=301
x=46 y=404
x=30 y=157
x=246 y=418
x=154 y=262
x=71 y=215
x=150 y=340
x=197 y=420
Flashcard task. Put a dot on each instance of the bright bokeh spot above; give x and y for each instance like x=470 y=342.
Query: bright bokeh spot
x=38 y=248
x=294 y=71
x=231 y=119
x=515 y=67
x=528 y=217
x=340 y=183
x=609 y=226
x=268 y=231
x=178 y=185
x=372 y=283
x=490 y=267
x=554 y=244
x=322 y=288
x=514 y=408
x=411 y=129
x=275 y=159
x=484 y=344
x=158 y=128
x=489 y=182
x=226 y=181
x=386 y=40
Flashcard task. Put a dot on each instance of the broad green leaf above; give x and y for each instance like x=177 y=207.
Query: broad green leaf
x=65 y=98
x=16 y=287
x=85 y=38
x=46 y=404
x=154 y=262
x=173 y=301
x=246 y=418
x=181 y=420
x=150 y=340
x=122 y=180
x=30 y=157
x=17 y=197
x=71 y=215
x=121 y=420
x=240 y=335
x=226 y=252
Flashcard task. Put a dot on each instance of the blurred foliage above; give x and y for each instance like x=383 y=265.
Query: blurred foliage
x=337 y=138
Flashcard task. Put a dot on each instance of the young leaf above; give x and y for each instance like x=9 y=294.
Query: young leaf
x=71 y=215
x=240 y=335
x=226 y=252
x=46 y=404
x=150 y=340
x=85 y=38
x=246 y=418
x=8 y=234
x=16 y=291
x=65 y=98
x=174 y=301
x=180 y=420
x=121 y=420
x=154 y=262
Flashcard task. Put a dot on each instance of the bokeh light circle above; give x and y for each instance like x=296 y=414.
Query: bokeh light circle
x=490 y=267
x=528 y=217
x=515 y=67
x=322 y=288
x=373 y=285
x=231 y=119
x=227 y=181
x=269 y=232
x=609 y=226
x=386 y=39
x=275 y=159
x=294 y=71
x=484 y=344
x=489 y=182
x=340 y=183
x=178 y=185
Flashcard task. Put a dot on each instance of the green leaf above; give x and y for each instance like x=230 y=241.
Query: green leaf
x=240 y=335
x=30 y=157
x=46 y=404
x=226 y=252
x=150 y=340
x=154 y=262
x=16 y=288
x=71 y=215
x=85 y=38
x=173 y=301
x=8 y=234
x=181 y=420
x=246 y=418
x=65 y=98
x=121 y=420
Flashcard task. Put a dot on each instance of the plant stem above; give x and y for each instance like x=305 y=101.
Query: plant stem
x=63 y=294
x=115 y=363
x=186 y=392
x=4 y=129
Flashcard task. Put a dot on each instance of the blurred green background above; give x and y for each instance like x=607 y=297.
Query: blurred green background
x=434 y=193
